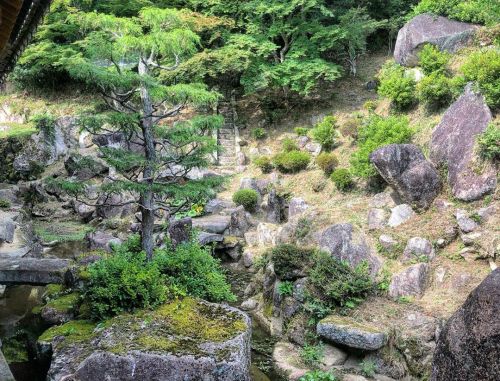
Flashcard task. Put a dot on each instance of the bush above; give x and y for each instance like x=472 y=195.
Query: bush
x=289 y=145
x=246 y=197
x=289 y=260
x=342 y=179
x=45 y=123
x=312 y=355
x=191 y=270
x=489 y=143
x=4 y=204
x=435 y=90
x=376 y=133
x=397 y=86
x=337 y=283
x=432 y=59
x=291 y=162
x=324 y=132
x=259 y=133
x=301 y=131
x=327 y=162
x=318 y=375
x=476 y=11
x=484 y=68
x=351 y=127
x=264 y=163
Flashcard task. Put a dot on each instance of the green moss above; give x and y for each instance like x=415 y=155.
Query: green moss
x=75 y=331
x=53 y=290
x=349 y=323
x=65 y=303
x=16 y=130
x=268 y=310
x=15 y=350
x=66 y=231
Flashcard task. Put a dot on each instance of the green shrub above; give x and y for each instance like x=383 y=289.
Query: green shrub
x=264 y=163
x=301 y=131
x=489 y=143
x=370 y=105
x=289 y=260
x=350 y=127
x=246 y=197
x=325 y=132
x=4 y=204
x=368 y=368
x=432 y=59
x=376 y=133
x=476 y=11
x=303 y=228
x=327 y=162
x=342 y=178
x=337 y=283
x=191 y=270
x=291 y=162
x=45 y=123
x=289 y=145
x=318 y=375
x=484 y=68
x=312 y=355
x=397 y=86
x=435 y=90
x=259 y=133
x=285 y=288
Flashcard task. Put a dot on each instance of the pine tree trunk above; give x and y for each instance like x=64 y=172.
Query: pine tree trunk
x=147 y=197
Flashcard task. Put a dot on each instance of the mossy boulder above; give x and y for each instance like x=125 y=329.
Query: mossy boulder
x=186 y=339
x=61 y=309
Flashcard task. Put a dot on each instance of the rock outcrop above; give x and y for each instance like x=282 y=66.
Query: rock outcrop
x=405 y=168
x=452 y=145
x=32 y=271
x=424 y=29
x=410 y=282
x=468 y=348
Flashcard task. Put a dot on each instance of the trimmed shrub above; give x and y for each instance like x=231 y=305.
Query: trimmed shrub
x=264 y=163
x=325 y=132
x=435 y=90
x=290 y=261
x=259 y=133
x=376 y=133
x=397 y=86
x=432 y=59
x=342 y=179
x=289 y=145
x=246 y=197
x=475 y=11
x=327 y=162
x=291 y=162
x=489 y=143
x=301 y=131
x=484 y=68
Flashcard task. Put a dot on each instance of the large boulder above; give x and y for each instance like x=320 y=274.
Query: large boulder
x=345 y=243
x=32 y=271
x=424 y=29
x=101 y=241
x=405 y=168
x=176 y=342
x=452 y=145
x=216 y=224
x=468 y=348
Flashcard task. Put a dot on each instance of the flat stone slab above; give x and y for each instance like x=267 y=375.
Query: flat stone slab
x=32 y=271
x=5 y=373
x=345 y=331
x=217 y=224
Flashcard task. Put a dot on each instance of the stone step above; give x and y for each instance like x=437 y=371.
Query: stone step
x=36 y=272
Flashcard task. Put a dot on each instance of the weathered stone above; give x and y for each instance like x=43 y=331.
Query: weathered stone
x=248 y=258
x=251 y=238
x=471 y=239
x=101 y=241
x=217 y=205
x=465 y=223
x=115 y=205
x=405 y=168
x=419 y=249
x=286 y=357
x=387 y=242
x=297 y=330
x=296 y=206
x=84 y=167
x=212 y=224
x=345 y=331
x=299 y=289
x=424 y=29
x=249 y=305
x=267 y=234
x=240 y=222
x=85 y=212
x=249 y=183
x=468 y=348
x=180 y=231
x=5 y=373
x=382 y=200
x=377 y=219
x=275 y=207
x=486 y=213
x=32 y=271
x=7 y=228
x=313 y=148
x=410 y=282
x=9 y=192
x=241 y=158
x=347 y=244
x=452 y=145
x=290 y=307
x=332 y=356
x=205 y=238
x=400 y=214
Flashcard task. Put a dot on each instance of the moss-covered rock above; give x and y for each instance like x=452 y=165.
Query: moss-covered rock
x=184 y=339
x=61 y=309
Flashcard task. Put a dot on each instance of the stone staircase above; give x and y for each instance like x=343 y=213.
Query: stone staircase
x=227 y=136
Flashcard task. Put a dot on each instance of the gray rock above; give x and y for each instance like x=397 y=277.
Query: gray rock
x=33 y=271
x=217 y=205
x=205 y=238
x=387 y=242
x=241 y=158
x=313 y=148
x=84 y=167
x=471 y=239
x=486 y=213
x=410 y=282
x=267 y=234
x=287 y=360
x=419 y=249
x=54 y=316
x=299 y=289
x=382 y=200
x=275 y=207
x=250 y=183
x=377 y=219
x=249 y=305
x=7 y=228
x=345 y=331
x=332 y=356
x=290 y=307
x=5 y=372
x=452 y=145
x=405 y=169
x=212 y=224
x=468 y=348
x=345 y=243
x=430 y=29
x=180 y=231
x=9 y=193
x=296 y=206
x=101 y=241
x=400 y=214
x=248 y=258
x=240 y=222
x=85 y=212
x=116 y=205
x=465 y=223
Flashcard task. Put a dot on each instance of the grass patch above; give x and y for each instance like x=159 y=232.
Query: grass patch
x=68 y=231
x=16 y=130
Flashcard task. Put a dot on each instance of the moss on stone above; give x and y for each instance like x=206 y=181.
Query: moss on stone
x=53 y=290
x=349 y=323
x=65 y=303
x=75 y=331
x=15 y=350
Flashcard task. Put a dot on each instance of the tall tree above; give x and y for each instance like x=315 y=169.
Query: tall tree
x=121 y=59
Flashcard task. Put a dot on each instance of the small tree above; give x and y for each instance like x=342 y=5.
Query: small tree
x=122 y=60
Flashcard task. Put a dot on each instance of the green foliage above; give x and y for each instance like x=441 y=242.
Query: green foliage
x=432 y=59
x=483 y=67
x=4 y=204
x=259 y=133
x=291 y=162
x=318 y=375
x=325 y=132
x=285 y=288
x=327 y=162
x=301 y=131
x=376 y=133
x=342 y=179
x=351 y=126
x=337 y=283
x=303 y=228
x=246 y=197
x=289 y=145
x=264 y=163
x=435 y=90
x=289 y=260
x=45 y=123
x=396 y=85
x=312 y=355
x=368 y=368
x=489 y=143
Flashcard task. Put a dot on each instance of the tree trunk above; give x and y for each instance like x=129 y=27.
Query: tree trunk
x=147 y=204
